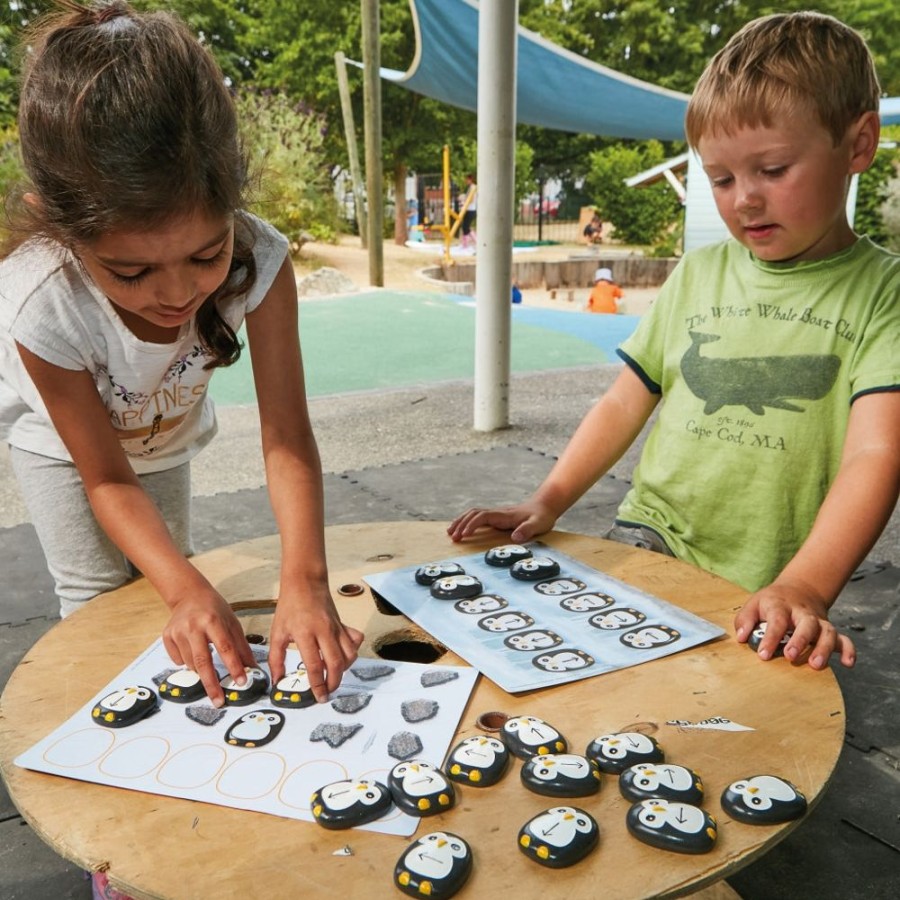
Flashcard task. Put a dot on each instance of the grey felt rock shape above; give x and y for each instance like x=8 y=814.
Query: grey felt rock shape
x=433 y=679
x=418 y=710
x=371 y=673
x=334 y=733
x=404 y=744
x=204 y=715
x=351 y=703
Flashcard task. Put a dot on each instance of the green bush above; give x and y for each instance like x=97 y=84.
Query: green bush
x=890 y=213
x=641 y=215
x=872 y=194
x=11 y=173
x=285 y=144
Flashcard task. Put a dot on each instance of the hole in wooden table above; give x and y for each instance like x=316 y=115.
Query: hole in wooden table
x=407 y=648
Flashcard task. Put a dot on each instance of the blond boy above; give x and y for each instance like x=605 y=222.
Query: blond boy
x=775 y=458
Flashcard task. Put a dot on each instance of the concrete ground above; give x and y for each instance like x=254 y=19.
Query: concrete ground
x=411 y=453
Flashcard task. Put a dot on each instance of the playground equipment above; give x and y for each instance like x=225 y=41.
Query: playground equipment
x=436 y=212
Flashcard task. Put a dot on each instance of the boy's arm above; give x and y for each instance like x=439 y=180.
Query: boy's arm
x=199 y=614
x=604 y=434
x=853 y=515
x=305 y=612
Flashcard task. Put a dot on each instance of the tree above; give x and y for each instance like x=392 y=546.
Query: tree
x=639 y=216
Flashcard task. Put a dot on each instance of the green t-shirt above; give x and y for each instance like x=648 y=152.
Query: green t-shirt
x=757 y=364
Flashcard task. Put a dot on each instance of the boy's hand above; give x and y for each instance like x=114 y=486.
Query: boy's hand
x=327 y=646
x=196 y=622
x=785 y=607
x=523 y=521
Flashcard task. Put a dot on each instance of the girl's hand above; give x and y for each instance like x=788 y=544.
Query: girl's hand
x=197 y=621
x=784 y=607
x=523 y=521
x=327 y=646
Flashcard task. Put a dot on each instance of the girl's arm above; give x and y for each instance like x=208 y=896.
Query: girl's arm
x=604 y=434
x=199 y=613
x=856 y=509
x=305 y=613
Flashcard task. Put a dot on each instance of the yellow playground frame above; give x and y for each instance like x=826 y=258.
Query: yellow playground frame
x=452 y=220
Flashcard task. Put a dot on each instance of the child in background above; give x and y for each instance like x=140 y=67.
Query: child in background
x=593 y=231
x=775 y=458
x=135 y=268
x=470 y=213
x=605 y=294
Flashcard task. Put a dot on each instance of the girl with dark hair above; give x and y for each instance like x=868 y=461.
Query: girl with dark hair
x=135 y=267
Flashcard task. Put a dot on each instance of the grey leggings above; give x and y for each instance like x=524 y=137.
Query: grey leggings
x=638 y=536
x=83 y=561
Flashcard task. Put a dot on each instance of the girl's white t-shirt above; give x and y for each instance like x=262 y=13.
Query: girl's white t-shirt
x=156 y=394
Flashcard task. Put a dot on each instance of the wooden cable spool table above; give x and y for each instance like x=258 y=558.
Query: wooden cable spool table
x=161 y=847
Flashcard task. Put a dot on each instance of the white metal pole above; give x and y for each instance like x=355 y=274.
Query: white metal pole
x=497 y=21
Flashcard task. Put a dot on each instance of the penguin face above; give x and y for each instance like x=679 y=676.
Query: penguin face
x=418 y=778
x=550 y=766
x=505 y=555
x=614 y=619
x=456 y=587
x=618 y=746
x=681 y=817
x=342 y=795
x=586 y=602
x=436 y=865
x=649 y=776
x=617 y=751
x=559 y=836
x=292 y=690
x=297 y=680
x=433 y=855
x=482 y=604
x=526 y=736
x=420 y=789
x=563 y=660
x=644 y=781
x=511 y=620
x=430 y=572
x=533 y=640
x=530 y=729
x=535 y=568
x=124 y=707
x=344 y=804
x=558 y=826
x=478 y=761
x=561 y=775
x=763 y=799
x=672 y=825
x=182 y=686
x=650 y=636
x=256 y=685
x=121 y=701
x=559 y=586
x=480 y=751
x=255 y=728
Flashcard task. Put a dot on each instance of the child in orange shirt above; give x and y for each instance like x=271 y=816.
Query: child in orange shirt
x=606 y=293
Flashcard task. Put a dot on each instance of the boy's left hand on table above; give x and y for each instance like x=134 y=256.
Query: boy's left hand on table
x=787 y=608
